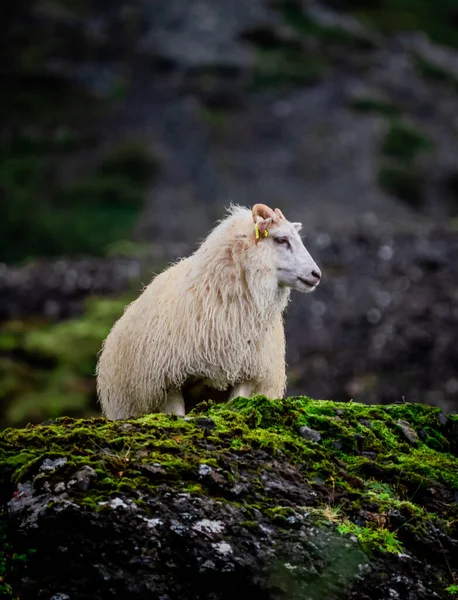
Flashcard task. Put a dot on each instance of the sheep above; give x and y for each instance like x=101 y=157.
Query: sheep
x=211 y=325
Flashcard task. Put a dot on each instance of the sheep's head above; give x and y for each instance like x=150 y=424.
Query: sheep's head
x=295 y=268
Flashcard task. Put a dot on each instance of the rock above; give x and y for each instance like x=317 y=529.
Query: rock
x=28 y=290
x=369 y=455
x=439 y=56
x=206 y=423
x=326 y=17
x=52 y=464
x=310 y=434
x=423 y=434
x=442 y=419
x=83 y=478
x=202 y=33
x=152 y=527
x=409 y=433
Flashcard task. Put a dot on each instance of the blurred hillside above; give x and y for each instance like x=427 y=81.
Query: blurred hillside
x=127 y=127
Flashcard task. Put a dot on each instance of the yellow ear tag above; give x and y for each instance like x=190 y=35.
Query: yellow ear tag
x=256 y=231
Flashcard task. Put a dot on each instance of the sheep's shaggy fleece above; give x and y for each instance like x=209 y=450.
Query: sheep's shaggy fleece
x=214 y=318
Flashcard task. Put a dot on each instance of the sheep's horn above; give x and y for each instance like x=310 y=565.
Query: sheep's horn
x=278 y=212
x=264 y=211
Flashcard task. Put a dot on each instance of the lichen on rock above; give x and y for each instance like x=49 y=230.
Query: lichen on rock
x=233 y=499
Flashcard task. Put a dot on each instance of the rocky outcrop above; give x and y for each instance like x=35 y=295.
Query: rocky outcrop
x=233 y=499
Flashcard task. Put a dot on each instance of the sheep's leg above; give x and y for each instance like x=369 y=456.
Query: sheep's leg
x=244 y=389
x=175 y=403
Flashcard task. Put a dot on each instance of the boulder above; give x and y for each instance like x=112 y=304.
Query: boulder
x=233 y=500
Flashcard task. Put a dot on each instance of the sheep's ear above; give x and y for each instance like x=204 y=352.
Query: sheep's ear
x=264 y=224
x=297 y=226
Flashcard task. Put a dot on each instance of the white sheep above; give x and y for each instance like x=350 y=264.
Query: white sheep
x=211 y=325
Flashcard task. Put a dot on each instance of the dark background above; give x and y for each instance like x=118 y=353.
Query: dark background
x=127 y=127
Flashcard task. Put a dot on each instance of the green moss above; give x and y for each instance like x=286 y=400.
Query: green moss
x=330 y=36
x=404 y=143
x=280 y=514
x=452 y=589
x=130 y=249
x=282 y=67
x=344 y=490
x=435 y=72
x=436 y=19
x=403 y=182
x=215 y=118
x=134 y=457
x=379 y=538
x=374 y=105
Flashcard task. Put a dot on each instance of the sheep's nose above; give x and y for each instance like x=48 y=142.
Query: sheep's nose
x=316 y=273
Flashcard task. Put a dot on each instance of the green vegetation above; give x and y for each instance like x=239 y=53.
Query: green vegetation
x=53 y=200
x=51 y=217
x=404 y=143
x=436 y=19
x=398 y=174
x=280 y=67
x=293 y=62
x=273 y=426
x=435 y=72
x=381 y=538
x=374 y=105
x=215 y=118
x=294 y=16
x=48 y=369
x=393 y=496
x=403 y=182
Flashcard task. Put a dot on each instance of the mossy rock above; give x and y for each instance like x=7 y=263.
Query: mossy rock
x=233 y=499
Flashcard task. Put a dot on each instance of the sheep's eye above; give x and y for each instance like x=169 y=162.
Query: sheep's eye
x=282 y=241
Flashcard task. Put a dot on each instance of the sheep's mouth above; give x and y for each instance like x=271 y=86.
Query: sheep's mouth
x=307 y=283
